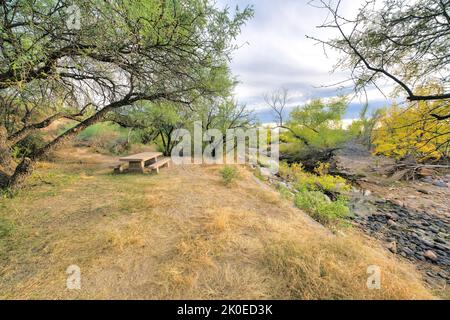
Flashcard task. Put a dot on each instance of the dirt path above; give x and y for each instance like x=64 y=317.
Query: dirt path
x=180 y=234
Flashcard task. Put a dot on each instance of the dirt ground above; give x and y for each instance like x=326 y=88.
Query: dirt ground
x=179 y=234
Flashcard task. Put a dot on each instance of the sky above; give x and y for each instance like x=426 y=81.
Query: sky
x=274 y=52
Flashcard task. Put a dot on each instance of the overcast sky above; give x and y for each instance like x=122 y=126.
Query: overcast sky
x=276 y=53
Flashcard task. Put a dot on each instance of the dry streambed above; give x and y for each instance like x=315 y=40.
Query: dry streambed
x=418 y=236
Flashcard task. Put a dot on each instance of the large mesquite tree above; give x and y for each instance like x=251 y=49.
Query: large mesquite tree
x=84 y=59
x=405 y=42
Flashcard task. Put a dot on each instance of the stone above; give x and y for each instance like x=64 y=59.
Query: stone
x=441 y=247
x=423 y=191
x=427 y=242
x=408 y=251
x=440 y=184
x=398 y=203
x=367 y=193
x=355 y=190
x=392 y=246
x=425 y=172
x=439 y=240
x=392 y=223
x=265 y=172
x=430 y=255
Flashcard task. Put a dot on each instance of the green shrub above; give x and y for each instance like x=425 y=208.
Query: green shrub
x=312 y=182
x=28 y=145
x=107 y=137
x=321 y=208
x=228 y=174
x=284 y=192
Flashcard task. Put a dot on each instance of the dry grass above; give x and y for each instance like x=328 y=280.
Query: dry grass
x=180 y=234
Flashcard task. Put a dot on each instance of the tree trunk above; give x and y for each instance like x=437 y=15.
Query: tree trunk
x=6 y=161
x=26 y=166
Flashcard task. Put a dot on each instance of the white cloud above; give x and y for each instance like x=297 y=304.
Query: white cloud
x=278 y=54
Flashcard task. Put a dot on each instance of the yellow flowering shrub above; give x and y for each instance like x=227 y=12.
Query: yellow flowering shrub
x=414 y=131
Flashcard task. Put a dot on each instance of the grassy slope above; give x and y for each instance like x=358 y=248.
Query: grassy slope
x=181 y=234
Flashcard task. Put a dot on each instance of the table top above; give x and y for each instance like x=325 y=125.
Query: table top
x=144 y=156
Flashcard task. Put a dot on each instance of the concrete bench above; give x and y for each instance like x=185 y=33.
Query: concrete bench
x=159 y=164
x=138 y=162
x=119 y=168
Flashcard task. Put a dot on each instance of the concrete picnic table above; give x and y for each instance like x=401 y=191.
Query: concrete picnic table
x=137 y=162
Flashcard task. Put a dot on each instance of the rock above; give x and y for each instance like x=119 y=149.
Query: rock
x=408 y=251
x=440 y=184
x=392 y=246
x=430 y=255
x=441 y=247
x=265 y=172
x=423 y=191
x=427 y=242
x=398 y=203
x=426 y=172
x=282 y=184
x=367 y=193
x=355 y=190
x=439 y=240
x=390 y=215
x=433 y=229
x=392 y=224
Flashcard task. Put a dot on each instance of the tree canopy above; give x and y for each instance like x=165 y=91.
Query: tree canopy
x=402 y=41
x=124 y=52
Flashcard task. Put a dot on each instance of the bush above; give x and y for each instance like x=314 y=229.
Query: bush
x=107 y=138
x=321 y=208
x=312 y=182
x=28 y=145
x=228 y=174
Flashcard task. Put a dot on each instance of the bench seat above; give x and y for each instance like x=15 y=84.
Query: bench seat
x=119 y=168
x=159 y=164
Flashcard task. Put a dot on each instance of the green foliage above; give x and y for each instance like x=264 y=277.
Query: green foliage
x=321 y=208
x=308 y=181
x=107 y=137
x=318 y=123
x=229 y=174
x=28 y=145
x=414 y=131
x=312 y=189
x=284 y=192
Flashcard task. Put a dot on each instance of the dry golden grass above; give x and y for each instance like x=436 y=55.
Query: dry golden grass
x=180 y=234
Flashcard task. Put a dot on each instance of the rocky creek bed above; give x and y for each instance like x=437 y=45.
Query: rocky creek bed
x=418 y=236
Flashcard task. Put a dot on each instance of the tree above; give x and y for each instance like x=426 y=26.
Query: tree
x=277 y=101
x=307 y=123
x=319 y=122
x=156 y=122
x=403 y=41
x=412 y=131
x=125 y=52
